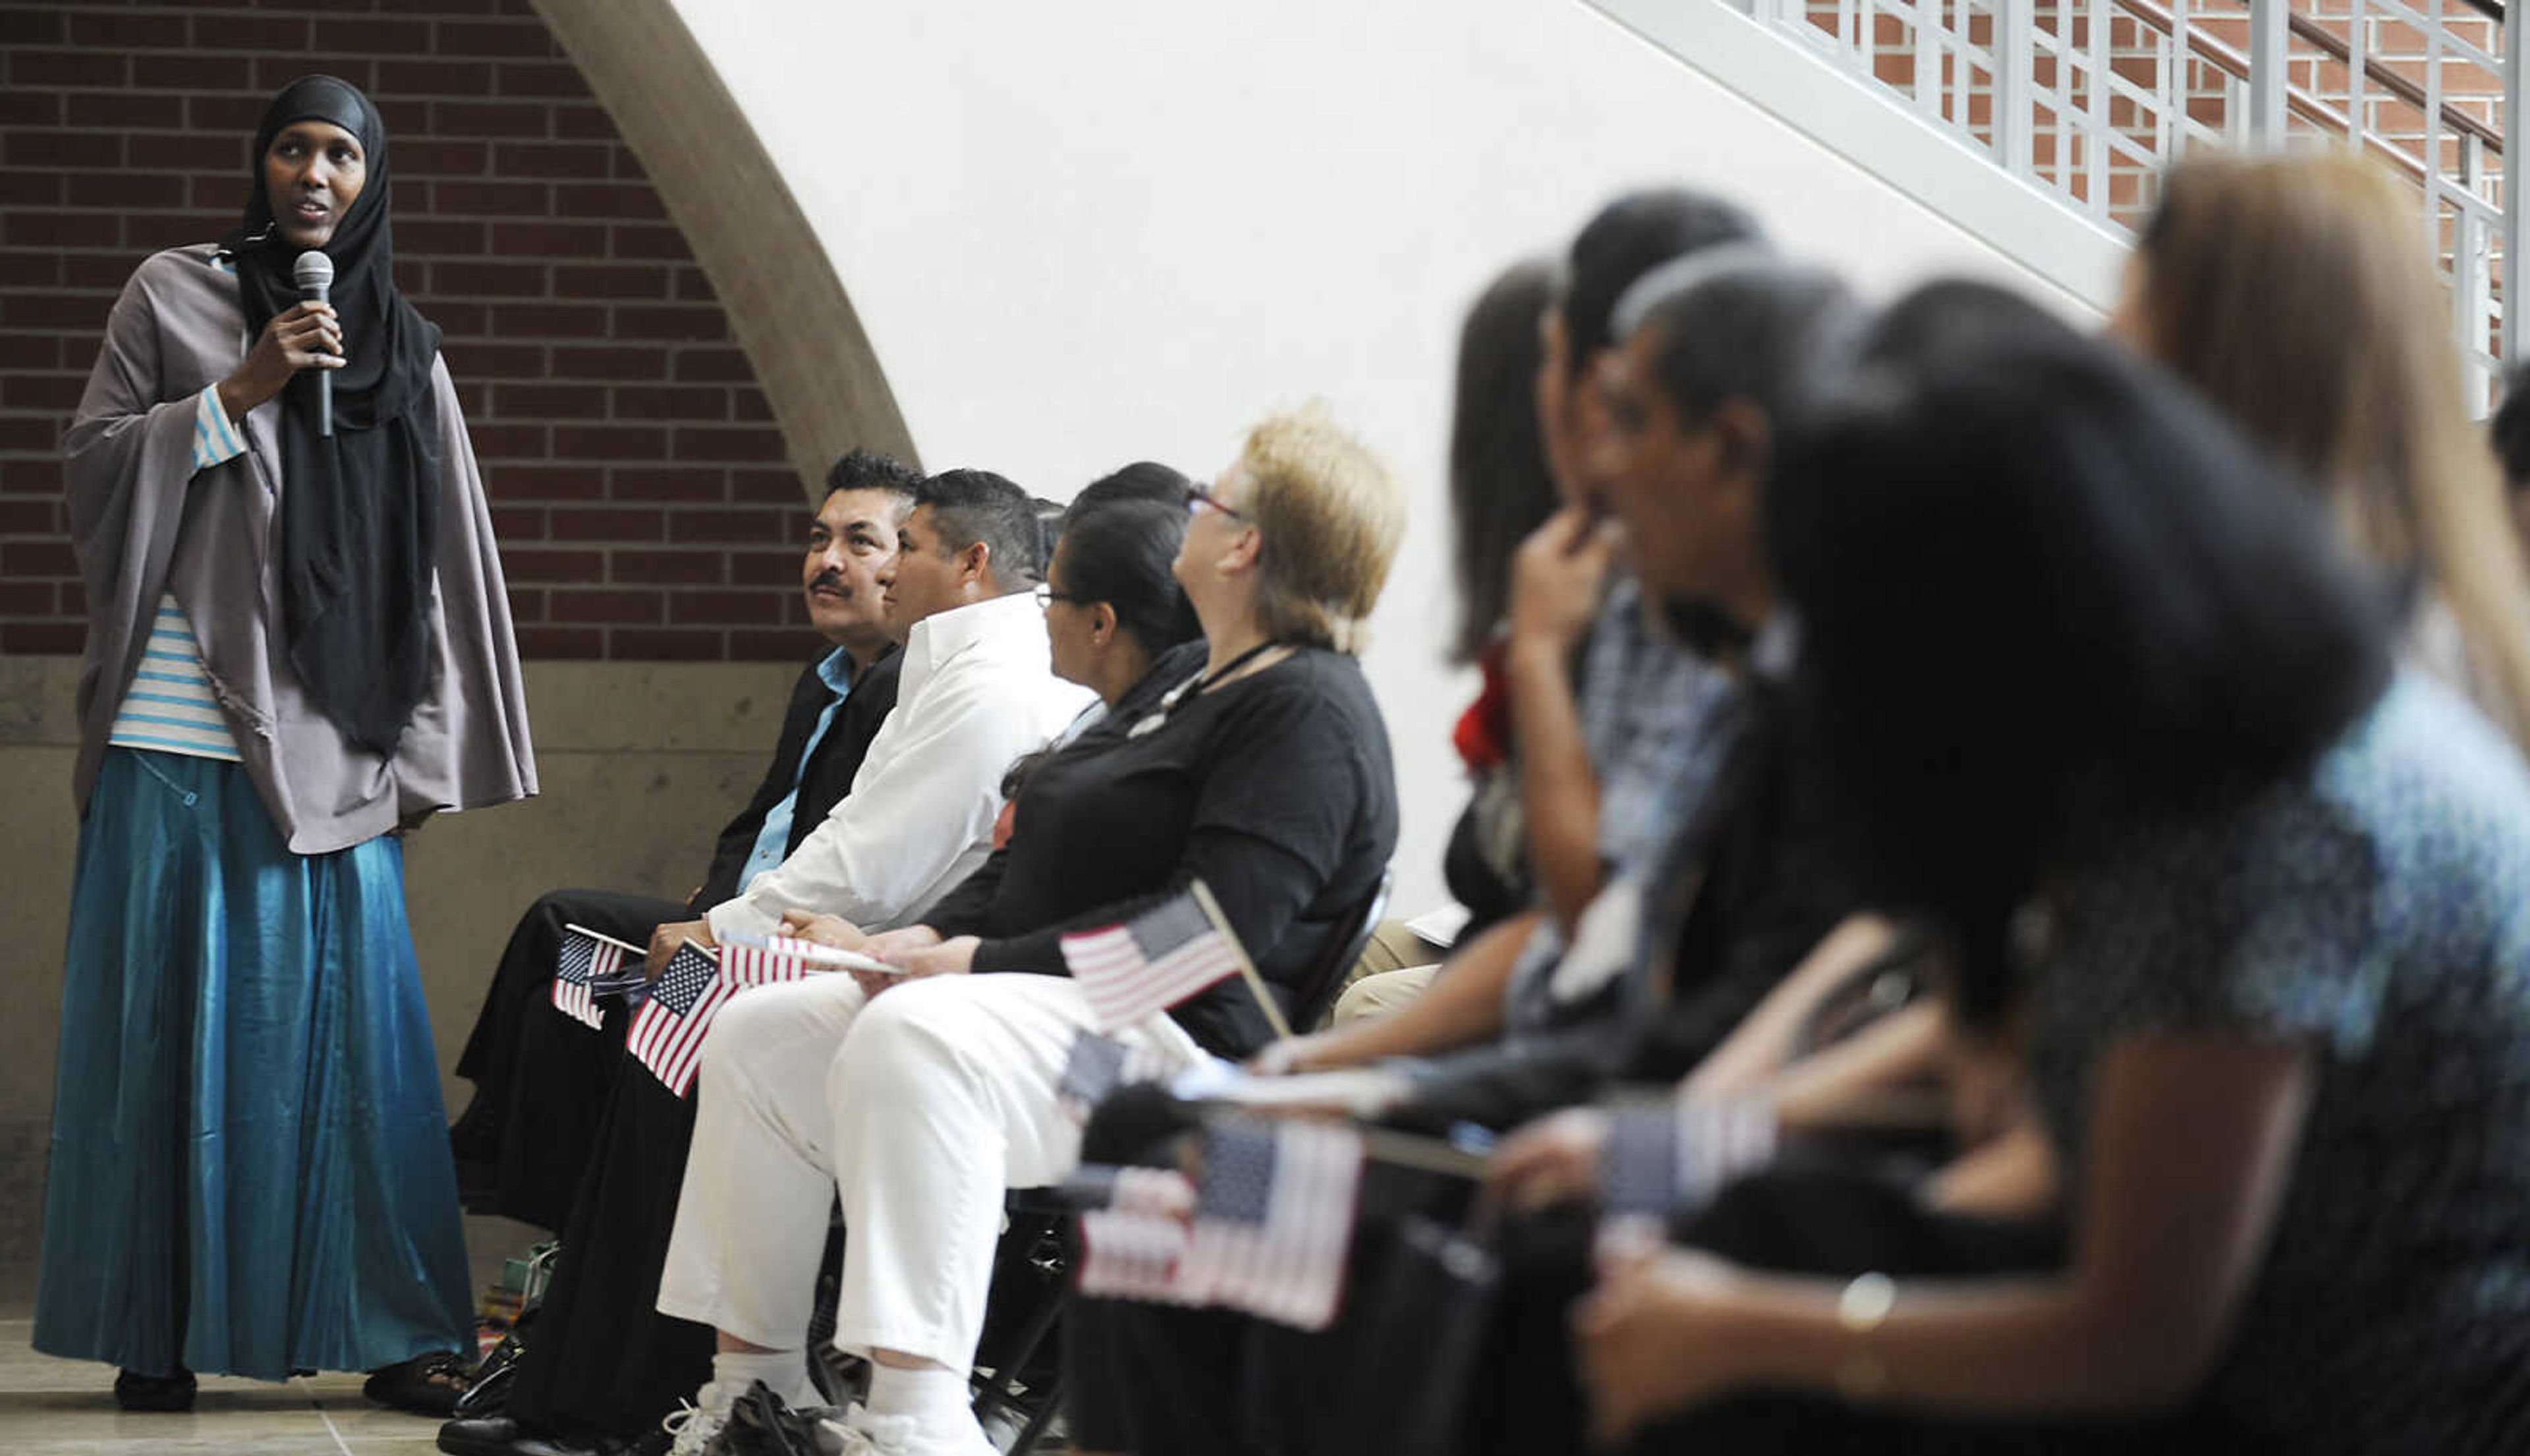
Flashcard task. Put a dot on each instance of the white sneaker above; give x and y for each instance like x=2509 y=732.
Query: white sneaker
x=698 y=1422
x=861 y=1433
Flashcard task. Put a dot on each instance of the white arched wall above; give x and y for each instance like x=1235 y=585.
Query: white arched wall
x=1088 y=233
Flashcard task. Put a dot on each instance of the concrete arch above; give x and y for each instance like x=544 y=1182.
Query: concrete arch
x=775 y=282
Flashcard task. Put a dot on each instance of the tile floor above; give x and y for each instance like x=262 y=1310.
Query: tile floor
x=66 y=1407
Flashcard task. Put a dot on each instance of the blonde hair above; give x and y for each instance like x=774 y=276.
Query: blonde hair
x=2298 y=294
x=1329 y=515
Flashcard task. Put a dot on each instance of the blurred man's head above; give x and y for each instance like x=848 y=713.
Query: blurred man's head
x=972 y=536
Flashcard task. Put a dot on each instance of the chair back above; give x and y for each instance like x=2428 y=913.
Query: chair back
x=1318 y=989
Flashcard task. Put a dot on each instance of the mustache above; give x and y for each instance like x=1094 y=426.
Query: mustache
x=830 y=579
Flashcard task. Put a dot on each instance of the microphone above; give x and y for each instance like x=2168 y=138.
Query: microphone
x=315 y=275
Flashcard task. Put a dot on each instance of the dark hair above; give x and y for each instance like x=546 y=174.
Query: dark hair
x=1143 y=480
x=2045 y=598
x=2511 y=429
x=1627 y=238
x=867 y=470
x=1748 y=327
x=1015 y=777
x=971 y=506
x=1500 y=489
x=1121 y=552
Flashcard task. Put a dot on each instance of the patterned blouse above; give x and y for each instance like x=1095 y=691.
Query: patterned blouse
x=2378 y=913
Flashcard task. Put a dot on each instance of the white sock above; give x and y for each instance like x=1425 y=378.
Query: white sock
x=934 y=1396
x=783 y=1372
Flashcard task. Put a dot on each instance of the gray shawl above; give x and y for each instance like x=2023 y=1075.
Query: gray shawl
x=142 y=521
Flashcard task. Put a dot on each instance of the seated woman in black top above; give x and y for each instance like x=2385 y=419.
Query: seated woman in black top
x=600 y=1359
x=1264 y=771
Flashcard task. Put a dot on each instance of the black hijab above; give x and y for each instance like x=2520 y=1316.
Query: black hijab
x=359 y=510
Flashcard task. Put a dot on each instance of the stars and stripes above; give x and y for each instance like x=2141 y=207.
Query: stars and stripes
x=1132 y=1248
x=1151 y=962
x=1273 y=1222
x=586 y=955
x=668 y=1034
x=1097 y=1065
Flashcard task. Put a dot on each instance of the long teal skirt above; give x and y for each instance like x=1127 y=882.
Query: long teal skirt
x=250 y=1161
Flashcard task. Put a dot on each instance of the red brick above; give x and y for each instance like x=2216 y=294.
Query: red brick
x=481 y=361
x=403 y=77
x=534 y=482
x=769 y=644
x=476 y=279
x=127 y=109
x=25 y=227
x=187 y=152
x=549 y=320
x=67 y=68
x=20 y=108
x=645 y=281
x=526 y=39
x=499 y=120
x=266 y=36
x=97 y=270
x=623 y=199
x=526 y=602
x=606 y=523
x=610 y=442
x=670 y=321
x=516 y=523
x=634 y=645
x=750 y=404
x=548 y=239
x=428 y=235
x=58 y=392
x=40 y=638
x=550 y=401
x=733 y=443
x=29 y=26
x=25 y=598
x=779 y=564
x=567 y=160
x=150 y=231
x=540 y=564
x=214 y=191
x=460 y=320
x=19 y=560
x=90 y=28
x=373 y=35
x=664 y=242
x=31 y=189
x=739 y=526
x=585 y=121
x=28 y=267
x=522 y=442
x=561 y=644
x=124 y=189
x=20 y=517
x=671 y=403
x=725 y=609
x=39 y=475
x=609 y=361
x=713 y=366
x=682 y=568
x=234 y=115
x=438 y=156
x=604 y=607
x=495 y=200
x=179 y=73
x=665 y=483
x=62 y=148
x=553 y=80
x=693 y=286
x=273 y=72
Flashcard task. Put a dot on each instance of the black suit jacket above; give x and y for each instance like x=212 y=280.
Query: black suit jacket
x=827 y=778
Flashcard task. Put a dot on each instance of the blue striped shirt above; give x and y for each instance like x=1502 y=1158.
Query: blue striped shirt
x=170 y=706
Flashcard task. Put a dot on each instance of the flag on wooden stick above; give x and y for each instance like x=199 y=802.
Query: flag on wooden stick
x=1273 y=1224
x=1152 y=961
x=585 y=956
x=1132 y=1248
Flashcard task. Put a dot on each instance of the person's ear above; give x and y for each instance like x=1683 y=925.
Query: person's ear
x=1244 y=546
x=975 y=565
x=1102 y=622
x=1744 y=440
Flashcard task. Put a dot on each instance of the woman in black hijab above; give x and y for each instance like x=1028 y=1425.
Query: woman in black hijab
x=300 y=641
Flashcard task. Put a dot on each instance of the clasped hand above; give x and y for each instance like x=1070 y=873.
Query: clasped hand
x=917 y=950
x=304 y=336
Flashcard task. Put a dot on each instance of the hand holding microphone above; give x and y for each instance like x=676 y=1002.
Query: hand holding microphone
x=305 y=336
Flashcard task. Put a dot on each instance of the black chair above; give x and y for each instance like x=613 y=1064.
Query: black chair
x=1018 y=1367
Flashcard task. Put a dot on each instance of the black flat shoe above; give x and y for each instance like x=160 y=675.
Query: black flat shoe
x=426 y=1385
x=135 y=1391
x=500 y=1435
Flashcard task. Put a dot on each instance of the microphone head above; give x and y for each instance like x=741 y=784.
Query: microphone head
x=313 y=271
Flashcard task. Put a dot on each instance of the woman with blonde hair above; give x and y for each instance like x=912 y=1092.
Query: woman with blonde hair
x=2298 y=294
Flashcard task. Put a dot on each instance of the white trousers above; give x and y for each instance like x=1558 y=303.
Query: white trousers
x=921 y=1106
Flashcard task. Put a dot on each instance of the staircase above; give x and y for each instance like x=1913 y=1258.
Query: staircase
x=2085 y=101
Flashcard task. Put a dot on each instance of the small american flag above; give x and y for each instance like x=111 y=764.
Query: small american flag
x=1151 y=962
x=1097 y=1065
x=1666 y=1157
x=668 y=1034
x=584 y=957
x=1274 y=1222
x=1133 y=1248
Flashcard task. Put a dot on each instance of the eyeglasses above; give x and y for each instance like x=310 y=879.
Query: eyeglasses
x=1047 y=596
x=1199 y=498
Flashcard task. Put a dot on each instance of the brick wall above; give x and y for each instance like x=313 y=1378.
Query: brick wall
x=638 y=481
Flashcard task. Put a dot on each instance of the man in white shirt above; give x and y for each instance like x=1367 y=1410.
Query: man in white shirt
x=976 y=690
